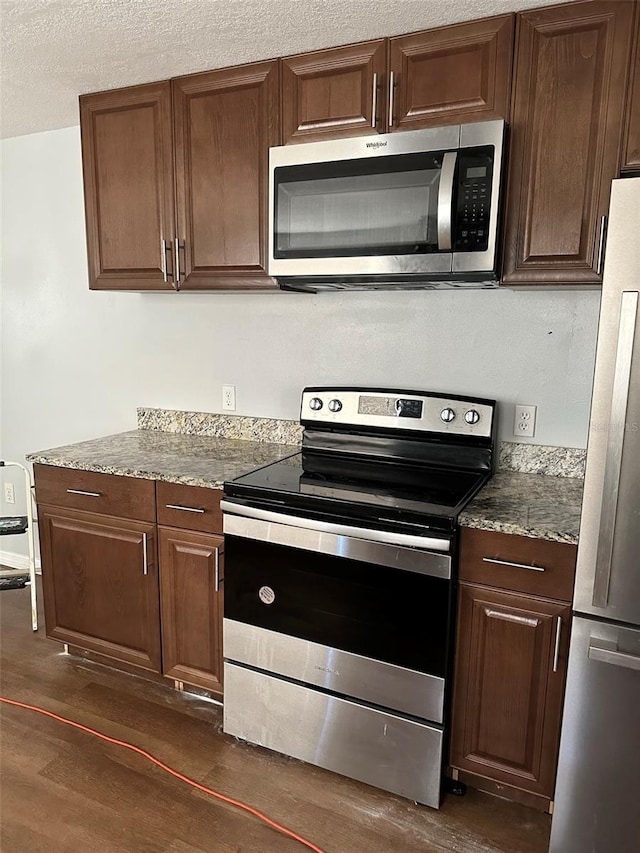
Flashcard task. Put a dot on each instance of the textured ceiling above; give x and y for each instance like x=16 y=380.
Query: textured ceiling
x=54 y=50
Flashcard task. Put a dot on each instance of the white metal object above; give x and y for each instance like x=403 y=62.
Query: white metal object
x=229 y=398
x=524 y=422
x=30 y=538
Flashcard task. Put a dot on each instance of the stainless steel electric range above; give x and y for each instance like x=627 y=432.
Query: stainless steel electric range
x=340 y=569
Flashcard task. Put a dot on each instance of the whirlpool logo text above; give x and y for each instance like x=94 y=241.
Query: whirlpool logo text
x=376 y=144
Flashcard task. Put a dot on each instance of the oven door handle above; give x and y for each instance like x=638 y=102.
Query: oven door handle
x=386 y=548
x=445 y=200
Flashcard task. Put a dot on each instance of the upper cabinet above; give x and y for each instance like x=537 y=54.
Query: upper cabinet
x=225 y=122
x=127 y=153
x=631 y=150
x=333 y=93
x=176 y=181
x=571 y=65
x=443 y=76
x=451 y=75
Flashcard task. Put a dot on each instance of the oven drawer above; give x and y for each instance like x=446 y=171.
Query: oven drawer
x=108 y=494
x=189 y=507
x=518 y=563
x=374 y=681
x=393 y=753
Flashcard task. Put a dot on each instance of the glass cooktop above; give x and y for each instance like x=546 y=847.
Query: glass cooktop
x=335 y=487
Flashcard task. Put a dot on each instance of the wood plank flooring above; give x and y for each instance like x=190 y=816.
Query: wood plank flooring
x=63 y=791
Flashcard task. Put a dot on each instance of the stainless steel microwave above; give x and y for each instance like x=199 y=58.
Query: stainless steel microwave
x=417 y=208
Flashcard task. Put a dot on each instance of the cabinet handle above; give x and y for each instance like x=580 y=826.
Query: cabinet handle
x=556 y=649
x=177 y=262
x=216 y=563
x=374 y=99
x=603 y=226
x=163 y=259
x=391 y=85
x=86 y=494
x=513 y=565
x=145 y=567
x=185 y=508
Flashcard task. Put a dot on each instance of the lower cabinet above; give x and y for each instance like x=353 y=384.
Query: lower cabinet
x=100 y=577
x=132 y=570
x=191 y=573
x=511 y=660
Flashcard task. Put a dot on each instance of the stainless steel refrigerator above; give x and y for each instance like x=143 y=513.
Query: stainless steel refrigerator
x=597 y=799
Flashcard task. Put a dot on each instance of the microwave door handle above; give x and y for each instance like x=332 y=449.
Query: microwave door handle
x=445 y=200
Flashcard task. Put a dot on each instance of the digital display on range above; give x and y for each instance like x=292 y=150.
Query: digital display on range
x=390 y=407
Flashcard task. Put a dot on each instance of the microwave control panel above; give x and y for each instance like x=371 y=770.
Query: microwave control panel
x=473 y=199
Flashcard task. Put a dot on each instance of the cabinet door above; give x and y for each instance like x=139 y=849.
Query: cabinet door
x=225 y=122
x=631 y=151
x=510 y=669
x=191 y=572
x=100 y=581
x=127 y=158
x=452 y=74
x=334 y=93
x=566 y=130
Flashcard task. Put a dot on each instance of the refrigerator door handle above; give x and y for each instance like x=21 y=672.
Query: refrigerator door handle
x=615 y=444
x=607 y=651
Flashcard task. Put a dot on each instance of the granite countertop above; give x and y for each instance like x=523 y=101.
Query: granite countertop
x=535 y=505
x=195 y=460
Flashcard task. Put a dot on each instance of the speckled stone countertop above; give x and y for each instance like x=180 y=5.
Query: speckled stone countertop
x=535 y=505
x=195 y=460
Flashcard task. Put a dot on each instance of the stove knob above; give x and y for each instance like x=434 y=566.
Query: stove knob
x=447 y=415
x=335 y=405
x=315 y=403
x=471 y=417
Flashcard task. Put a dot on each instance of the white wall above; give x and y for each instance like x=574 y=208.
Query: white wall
x=75 y=364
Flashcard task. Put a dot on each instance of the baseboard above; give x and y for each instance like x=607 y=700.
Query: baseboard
x=18 y=561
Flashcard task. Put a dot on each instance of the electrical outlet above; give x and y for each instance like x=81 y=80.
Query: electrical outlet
x=9 y=494
x=229 y=398
x=524 y=423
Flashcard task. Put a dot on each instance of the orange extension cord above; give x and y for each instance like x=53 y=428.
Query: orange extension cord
x=168 y=769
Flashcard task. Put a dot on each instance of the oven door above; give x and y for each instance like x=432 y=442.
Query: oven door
x=351 y=615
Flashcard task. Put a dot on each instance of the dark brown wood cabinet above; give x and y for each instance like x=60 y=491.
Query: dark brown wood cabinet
x=514 y=617
x=127 y=154
x=443 y=76
x=452 y=74
x=225 y=122
x=120 y=587
x=334 y=93
x=570 y=73
x=176 y=181
x=631 y=149
x=100 y=578
x=191 y=575
x=509 y=693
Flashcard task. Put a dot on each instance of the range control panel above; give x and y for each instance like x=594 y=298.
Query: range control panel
x=398 y=410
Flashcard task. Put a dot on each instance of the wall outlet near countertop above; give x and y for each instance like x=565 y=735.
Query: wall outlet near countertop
x=228 y=398
x=9 y=494
x=524 y=423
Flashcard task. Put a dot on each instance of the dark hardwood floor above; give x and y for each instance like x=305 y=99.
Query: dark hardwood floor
x=64 y=790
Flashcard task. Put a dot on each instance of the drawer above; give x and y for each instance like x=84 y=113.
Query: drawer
x=109 y=494
x=518 y=563
x=189 y=507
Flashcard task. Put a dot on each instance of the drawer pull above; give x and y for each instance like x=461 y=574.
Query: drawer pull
x=86 y=494
x=556 y=650
x=513 y=565
x=185 y=508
